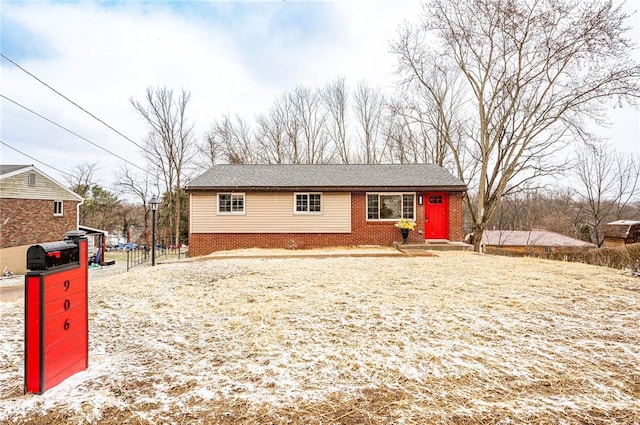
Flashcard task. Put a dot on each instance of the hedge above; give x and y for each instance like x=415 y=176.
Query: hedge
x=624 y=257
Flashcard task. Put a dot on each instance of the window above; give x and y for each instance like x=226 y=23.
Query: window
x=435 y=199
x=309 y=203
x=57 y=208
x=230 y=203
x=32 y=179
x=390 y=206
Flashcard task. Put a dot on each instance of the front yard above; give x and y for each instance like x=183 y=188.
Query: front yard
x=452 y=339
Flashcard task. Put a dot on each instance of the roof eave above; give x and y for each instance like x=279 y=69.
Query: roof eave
x=453 y=188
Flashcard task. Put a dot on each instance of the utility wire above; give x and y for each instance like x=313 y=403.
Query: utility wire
x=51 y=166
x=72 y=132
x=71 y=101
x=37 y=160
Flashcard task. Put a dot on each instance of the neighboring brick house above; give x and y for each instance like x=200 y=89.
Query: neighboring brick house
x=531 y=241
x=307 y=206
x=621 y=232
x=34 y=208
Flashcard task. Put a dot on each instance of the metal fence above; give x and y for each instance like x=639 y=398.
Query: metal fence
x=140 y=255
x=137 y=256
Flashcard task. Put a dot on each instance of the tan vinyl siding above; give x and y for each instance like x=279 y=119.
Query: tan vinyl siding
x=271 y=212
x=17 y=187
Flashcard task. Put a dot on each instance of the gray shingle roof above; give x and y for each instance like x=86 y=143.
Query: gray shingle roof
x=6 y=169
x=326 y=177
x=531 y=238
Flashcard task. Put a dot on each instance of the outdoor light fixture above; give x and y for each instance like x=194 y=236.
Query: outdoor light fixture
x=153 y=204
x=419 y=199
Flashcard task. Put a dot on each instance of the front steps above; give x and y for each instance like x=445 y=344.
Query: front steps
x=433 y=245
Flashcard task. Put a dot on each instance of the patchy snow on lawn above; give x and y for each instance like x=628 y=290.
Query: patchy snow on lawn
x=454 y=338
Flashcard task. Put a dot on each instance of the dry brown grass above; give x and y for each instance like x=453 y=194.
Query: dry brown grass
x=456 y=339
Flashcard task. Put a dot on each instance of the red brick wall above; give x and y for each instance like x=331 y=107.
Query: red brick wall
x=455 y=216
x=362 y=232
x=31 y=221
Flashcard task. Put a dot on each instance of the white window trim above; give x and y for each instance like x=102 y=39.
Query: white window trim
x=366 y=211
x=61 y=213
x=296 y=212
x=244 y=203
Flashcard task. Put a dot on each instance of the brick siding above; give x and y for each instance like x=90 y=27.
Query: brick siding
x=456 y=216
x=362 y=232
x=31 y=221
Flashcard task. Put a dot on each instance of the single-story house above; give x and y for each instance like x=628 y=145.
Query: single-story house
x=34 y=208
x=307 y=206
x=621 y=232
x=532 y=241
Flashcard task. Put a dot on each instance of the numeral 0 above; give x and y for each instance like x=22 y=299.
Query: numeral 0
x=66 y=325
x=67 y=305
x=67 y=284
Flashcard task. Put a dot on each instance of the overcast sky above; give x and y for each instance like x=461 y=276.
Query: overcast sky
x=234 y=57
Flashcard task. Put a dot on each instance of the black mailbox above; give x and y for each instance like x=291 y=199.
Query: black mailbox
x=48 y=255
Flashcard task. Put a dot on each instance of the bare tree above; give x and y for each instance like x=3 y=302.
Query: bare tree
x=307 y=106
x=209 y=152
x=81 y=177
x=335 y=96
x=431 y=106
x=608 y=181
x=535 y=71
x=140 y=186
x=233 y=136
x=169 y=144
x=368 y=107
x=271 y=137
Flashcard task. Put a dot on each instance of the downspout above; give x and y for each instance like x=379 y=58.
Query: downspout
x=78 y=214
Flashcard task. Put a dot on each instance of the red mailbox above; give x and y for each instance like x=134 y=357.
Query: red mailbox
x=56 y=312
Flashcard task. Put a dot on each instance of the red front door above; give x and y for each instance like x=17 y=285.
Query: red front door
x=436 y=215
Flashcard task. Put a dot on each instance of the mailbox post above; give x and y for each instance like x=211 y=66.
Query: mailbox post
x=56 y=312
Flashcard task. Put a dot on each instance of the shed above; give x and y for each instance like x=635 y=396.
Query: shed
x=621 y=232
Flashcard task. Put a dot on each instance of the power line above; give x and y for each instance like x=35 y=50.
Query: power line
x=72 y=132
x=71 y=101
x=37 y=160
x=50 y=166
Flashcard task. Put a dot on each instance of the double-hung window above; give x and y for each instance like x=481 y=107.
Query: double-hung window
x=308 y=203
x=230 y=203
x=57 y=208
x=390 y=206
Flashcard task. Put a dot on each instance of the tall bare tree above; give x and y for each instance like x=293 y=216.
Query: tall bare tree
x=368 y=107
x=336 y=97
x=271 y=137
x=209 y=152
x=535 y=71
x=308 y=108
x=607 y=182
x=431 y=108
x=169 y=144
x=140 y=186
x=233 y=136
x=81 y=177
